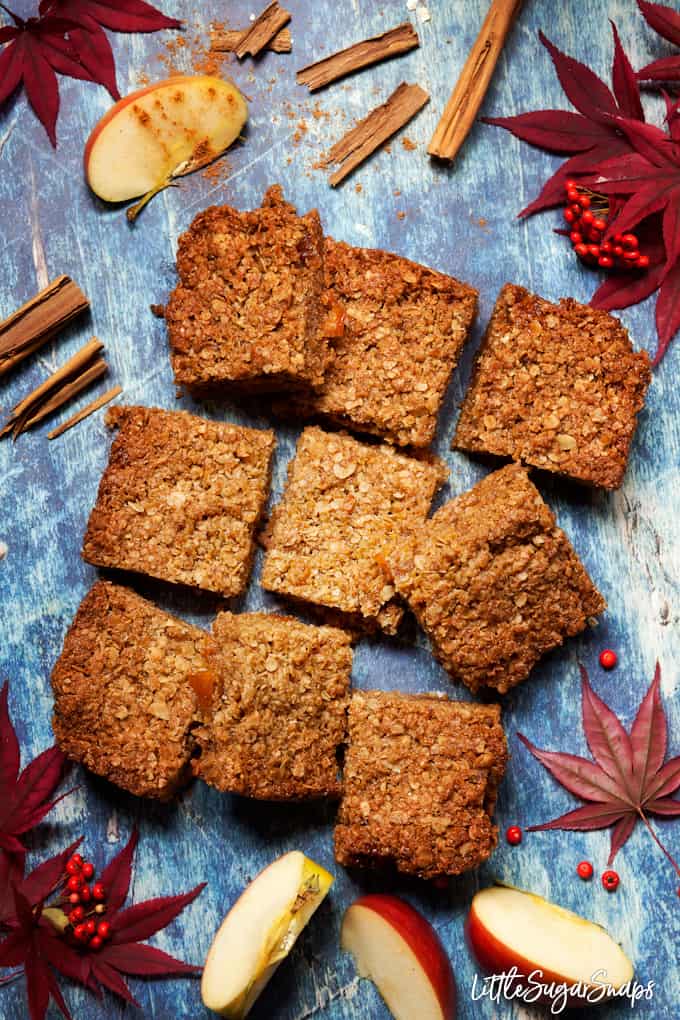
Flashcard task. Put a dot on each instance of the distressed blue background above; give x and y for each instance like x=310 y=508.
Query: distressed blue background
x=51 y=224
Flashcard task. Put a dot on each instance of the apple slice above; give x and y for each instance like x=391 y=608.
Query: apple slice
x=162 y=132
x=259 y=932
x=400 y=952
x=509 y=928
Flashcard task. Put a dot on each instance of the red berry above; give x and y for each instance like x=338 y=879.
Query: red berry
x=629 y=241
x=85 y=894
x=588 y=218
x=80 y=932
x=618 y=250
x=608 y=659
x=600 y=224
x=642 y=262
x=594 y=250
x=91 y=927
x=584 y=201
x=631 y=256
x=76 y=916
x=513 y=835
x=605 y=261
x=569 y=215
x=95 y=943
x=74 y=898
x=570 y=185
x=103 y=929
x=618 y=238
x=610 y=880
x=77 y=859
x=575 y=237
x=606 y=248
x=584 y=870
x=98 y=891
x=72 y=868
x=572 y=196
x=88 y=870
x=581 y=250
x=74 y=883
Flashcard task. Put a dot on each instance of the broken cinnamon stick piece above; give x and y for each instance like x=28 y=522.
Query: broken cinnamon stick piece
x=38 y=320
x=262 y=31
x=66 y=393
x=466 y=98
x=362 y=54
x=85 y=412
x=374 y=130
x=227 y=40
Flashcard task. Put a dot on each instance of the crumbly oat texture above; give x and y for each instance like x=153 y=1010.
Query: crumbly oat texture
x=123 y=697
x=556 y=386
x=494 y=582
x=279 y=708
x=180 y=499
x=401 y=329
x=346 y=506
x=246 y=309
x=420 y=780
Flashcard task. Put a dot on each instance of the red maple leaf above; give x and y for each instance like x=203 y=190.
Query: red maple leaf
x=68 y=38
x=589 y=136
x=666 y=22
x=628 y=779
x=26 y=797
x=40 y=938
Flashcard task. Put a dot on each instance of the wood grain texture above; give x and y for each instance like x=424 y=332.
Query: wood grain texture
x=461 y=220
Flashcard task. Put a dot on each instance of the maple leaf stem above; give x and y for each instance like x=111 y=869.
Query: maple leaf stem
x=658 y=842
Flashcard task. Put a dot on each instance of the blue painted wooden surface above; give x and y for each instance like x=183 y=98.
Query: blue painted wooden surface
x=629 y=540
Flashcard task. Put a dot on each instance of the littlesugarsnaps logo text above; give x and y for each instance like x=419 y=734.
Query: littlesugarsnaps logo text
x=511 y=984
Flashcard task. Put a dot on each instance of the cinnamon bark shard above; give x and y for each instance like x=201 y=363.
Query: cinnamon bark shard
x=362 y=54
x=227 y=40
x=86 y=411
x=262 y=31
x=374 y=130
x=38 y=320
x=466 y=98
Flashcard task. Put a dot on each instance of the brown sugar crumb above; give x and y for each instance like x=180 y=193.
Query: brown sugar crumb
x=401 y=215
x=494 y=582
x=123 y=700
x=279 y=708
x=358 y=188
x=245 y=311
x=345 y=507
x=420 y=780
x=555 y=386
x=408 y=144
x=403 y=330
x=181 y=499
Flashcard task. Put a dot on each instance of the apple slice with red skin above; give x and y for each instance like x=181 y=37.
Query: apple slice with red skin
x=508 y=928
x=399 y=950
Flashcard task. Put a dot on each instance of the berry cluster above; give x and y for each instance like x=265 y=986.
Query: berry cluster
x=586 y=215
x=85 y=904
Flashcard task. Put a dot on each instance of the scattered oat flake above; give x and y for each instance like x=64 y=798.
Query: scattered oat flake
x=408 y=144
x=411 y=5
x=401 y=215
x=423 y=14
x=4 y=549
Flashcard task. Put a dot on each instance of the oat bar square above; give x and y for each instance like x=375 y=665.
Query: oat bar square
x=557 y=387
x=397 y=331
x=278 y=710
x=181 y=499
x=420 y=780
x=245 y=312
x=124 y=702
x=494 y=582
x=346 y=505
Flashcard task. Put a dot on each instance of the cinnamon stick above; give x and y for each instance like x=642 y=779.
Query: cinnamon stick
x=38 y=320
x=374 y=130
x=227 y=40
x=67 y=392
x=27 y=407
x=362 y=54
x=262 y=31
x=86 y=411
x=466 y=98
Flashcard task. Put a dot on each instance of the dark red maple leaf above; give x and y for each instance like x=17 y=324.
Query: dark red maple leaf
x=40 y=938
x=26 y=797
x=589 y=136
x=628 y=779
x=666 y=22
